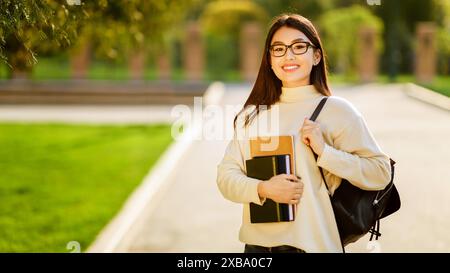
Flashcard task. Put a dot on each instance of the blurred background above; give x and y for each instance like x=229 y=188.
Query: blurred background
x=159 y=40
x=87 y=89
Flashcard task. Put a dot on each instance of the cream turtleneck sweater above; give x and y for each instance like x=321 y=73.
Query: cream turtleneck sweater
x=350 y=152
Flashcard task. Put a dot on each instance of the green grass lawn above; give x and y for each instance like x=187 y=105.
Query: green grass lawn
x=51 y=69
x=61 y=183
x=441 y=85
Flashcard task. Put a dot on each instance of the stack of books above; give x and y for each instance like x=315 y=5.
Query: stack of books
x=271 y=156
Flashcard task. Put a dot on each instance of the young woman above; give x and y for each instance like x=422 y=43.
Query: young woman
x=293 y=79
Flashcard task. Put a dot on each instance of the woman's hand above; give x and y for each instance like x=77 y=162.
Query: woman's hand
x=282 y=188
x=311 y=135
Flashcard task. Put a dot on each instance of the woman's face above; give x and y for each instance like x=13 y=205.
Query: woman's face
x=293 y=70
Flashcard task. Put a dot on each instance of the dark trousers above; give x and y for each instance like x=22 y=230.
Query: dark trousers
x=276 y=249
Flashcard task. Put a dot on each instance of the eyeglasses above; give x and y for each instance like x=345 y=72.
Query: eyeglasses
x=298 y=48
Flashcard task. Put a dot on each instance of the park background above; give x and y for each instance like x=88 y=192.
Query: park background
x=87 y=158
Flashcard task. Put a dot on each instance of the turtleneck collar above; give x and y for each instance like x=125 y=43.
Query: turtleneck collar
x=300 y=93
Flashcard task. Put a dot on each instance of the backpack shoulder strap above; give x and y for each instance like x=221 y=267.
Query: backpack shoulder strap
x=313 y=118
x=318 y=109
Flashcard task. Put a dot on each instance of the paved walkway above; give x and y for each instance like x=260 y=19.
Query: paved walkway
x=192 y=216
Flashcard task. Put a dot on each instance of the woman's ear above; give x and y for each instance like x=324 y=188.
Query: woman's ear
x=317 y=56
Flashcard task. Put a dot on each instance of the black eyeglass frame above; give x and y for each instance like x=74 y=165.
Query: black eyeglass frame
x=286 y=47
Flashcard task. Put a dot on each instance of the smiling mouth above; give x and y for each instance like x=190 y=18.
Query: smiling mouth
x=290 y=68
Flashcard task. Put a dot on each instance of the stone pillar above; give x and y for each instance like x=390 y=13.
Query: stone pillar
x=136 y=65
x=367 y=54
x=163 y=67
x=425 y=57
x=80 y=61
x=250 y=50
x=193 y=53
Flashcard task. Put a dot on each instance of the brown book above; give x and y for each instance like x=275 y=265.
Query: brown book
x=273 y=145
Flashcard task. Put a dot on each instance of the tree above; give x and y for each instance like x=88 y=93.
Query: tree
x=24 y=25
x=222 y=22
x=339 y=28
x=400 y=19
x=117 y=27
x=124 y=26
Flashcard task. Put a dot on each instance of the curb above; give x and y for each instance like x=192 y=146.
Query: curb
x=153 y=185
x=88 y=92
x=428 y=96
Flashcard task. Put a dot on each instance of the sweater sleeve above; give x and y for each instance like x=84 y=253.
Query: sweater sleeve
x=356 y=156
x=232 y=179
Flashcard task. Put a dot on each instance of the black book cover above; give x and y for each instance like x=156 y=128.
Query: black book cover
x=263 y=168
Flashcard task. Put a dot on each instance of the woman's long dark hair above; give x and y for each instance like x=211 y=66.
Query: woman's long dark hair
x=267 y=88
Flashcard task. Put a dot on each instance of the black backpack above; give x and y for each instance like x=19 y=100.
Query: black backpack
x=358 y=211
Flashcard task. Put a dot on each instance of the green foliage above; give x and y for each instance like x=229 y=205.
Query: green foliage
x=400 y=19
x=126 y=26
x=222 y=22
x=443 y=45
x=339 y=30
x=227 y=16
x=115 y=28
x=26 y=25
x=222 y=55
x=443 y=37
x=62 y=183
x=308 y=8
